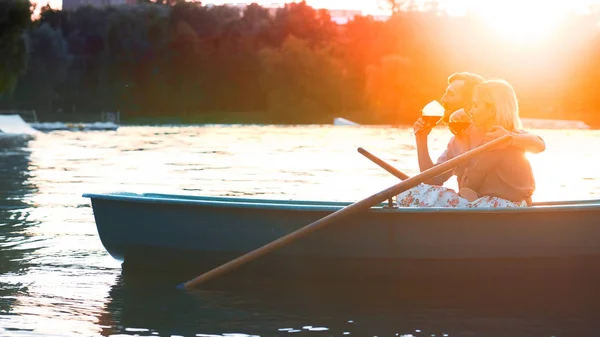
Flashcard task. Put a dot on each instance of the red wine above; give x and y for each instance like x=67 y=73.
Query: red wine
x=431 y=120
x=458 y=127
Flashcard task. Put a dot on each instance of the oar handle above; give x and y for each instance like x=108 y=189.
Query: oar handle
x=395 y=172
x=341 y=213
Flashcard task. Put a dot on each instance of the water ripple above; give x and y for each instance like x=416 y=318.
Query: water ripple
x=56 y=279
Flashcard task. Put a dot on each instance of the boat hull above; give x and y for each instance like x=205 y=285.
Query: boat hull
x=195 y=234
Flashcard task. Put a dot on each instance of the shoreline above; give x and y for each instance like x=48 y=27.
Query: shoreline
x=255 y=118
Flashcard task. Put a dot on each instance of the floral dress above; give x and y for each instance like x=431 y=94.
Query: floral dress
x=424 y=195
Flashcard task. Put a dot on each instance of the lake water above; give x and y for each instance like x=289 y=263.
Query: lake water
x=57 y=280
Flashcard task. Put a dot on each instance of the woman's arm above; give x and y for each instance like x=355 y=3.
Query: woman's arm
x=522 y=139
x=528 y=142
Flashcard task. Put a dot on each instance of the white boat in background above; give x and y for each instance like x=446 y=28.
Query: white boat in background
x=13 y=126
x=343 y=122
x=26 y=121
x=109 y=121
x=60 y=126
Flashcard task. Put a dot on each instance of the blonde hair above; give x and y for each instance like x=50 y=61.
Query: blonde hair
x=502 y=96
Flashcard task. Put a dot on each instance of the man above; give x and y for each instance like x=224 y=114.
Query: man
x=459 y=95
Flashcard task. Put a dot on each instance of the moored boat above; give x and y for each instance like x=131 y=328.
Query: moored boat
x=13 y=127
x=197 y=233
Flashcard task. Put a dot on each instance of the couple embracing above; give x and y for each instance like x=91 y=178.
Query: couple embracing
x=501 y=177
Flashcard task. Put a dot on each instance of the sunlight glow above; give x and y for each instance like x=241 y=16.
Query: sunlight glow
x=522 y=21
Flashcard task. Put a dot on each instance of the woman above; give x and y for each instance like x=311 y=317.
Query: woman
x=501 y=177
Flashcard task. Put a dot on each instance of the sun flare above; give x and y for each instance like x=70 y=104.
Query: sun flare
x=522 y=21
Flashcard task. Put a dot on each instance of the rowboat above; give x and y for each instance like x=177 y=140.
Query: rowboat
x=167 y=232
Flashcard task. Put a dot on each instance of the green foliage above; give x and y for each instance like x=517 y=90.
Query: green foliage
x=14 y=19
x=181 y=60
x=303 y=85
x=47 y=67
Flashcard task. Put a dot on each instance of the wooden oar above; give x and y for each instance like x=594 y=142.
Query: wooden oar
x=339 y=214
x=395 y=172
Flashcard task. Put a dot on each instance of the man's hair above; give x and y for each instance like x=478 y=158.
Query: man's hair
x=471 y=81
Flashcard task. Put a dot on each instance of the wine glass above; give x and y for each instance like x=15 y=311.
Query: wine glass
x=459 y=121
x=432 y=114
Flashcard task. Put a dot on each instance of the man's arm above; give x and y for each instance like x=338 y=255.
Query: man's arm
x=421 y=131
x=425 y=162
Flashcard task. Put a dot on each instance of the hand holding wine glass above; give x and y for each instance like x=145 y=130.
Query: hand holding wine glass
x=459 y=121
x=430 y=115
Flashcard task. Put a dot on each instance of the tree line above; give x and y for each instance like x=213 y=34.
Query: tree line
x=184 y=60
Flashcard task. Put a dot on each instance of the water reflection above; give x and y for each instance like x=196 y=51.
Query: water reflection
x=14 y=218
x=146 y=305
